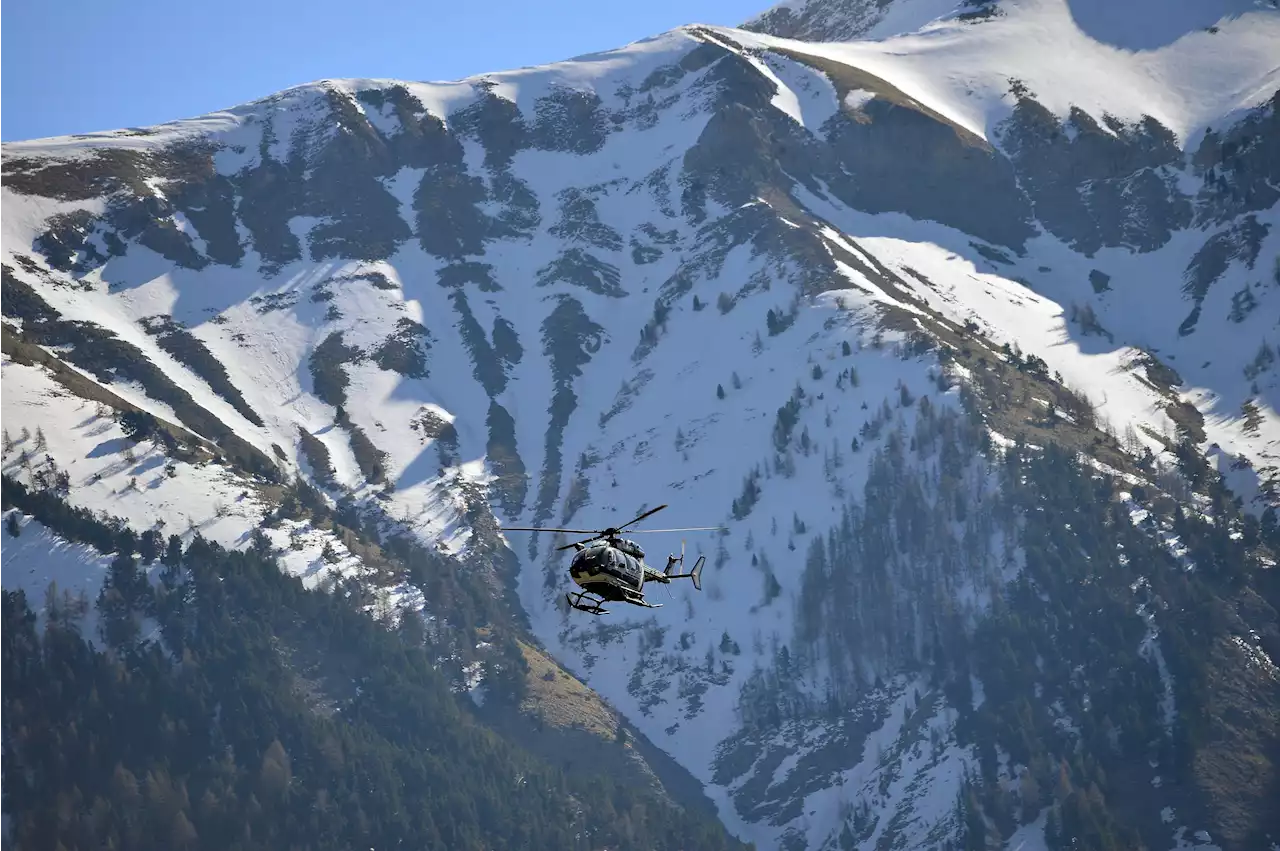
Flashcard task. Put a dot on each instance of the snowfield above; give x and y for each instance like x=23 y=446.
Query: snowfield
x=107 y=473
x=1142 y=58
x=679 y=409
x=38 y=560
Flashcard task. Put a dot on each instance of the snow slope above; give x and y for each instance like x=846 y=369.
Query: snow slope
x=38 y=561
x=572 y=314
x=139 y=484
x=1143 y=25
x=1099 y=57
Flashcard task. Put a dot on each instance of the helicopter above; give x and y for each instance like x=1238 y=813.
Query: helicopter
x=610 y=568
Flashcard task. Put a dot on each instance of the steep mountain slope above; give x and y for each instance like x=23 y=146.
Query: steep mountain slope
x=1140 y=25
x=888 y=310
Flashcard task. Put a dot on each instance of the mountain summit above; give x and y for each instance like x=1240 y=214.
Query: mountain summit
x=960 y=317
x=848 y=20
x=1141 y=25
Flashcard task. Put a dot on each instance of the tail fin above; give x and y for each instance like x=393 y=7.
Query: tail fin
x=696 y=573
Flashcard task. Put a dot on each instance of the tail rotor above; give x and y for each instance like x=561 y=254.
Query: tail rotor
x=695 y=574
x=672 y=561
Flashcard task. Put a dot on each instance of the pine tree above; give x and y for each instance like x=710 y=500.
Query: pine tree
x=719 y=391
x=276 y=774
x=12 y=524
x=771 y=587
x=182 y=834
x=1053 y=830
x=1064 y=788
x=173 y=552
x=1269 y=527
x=1029 y=792
x=787 y=464
x=149 y=546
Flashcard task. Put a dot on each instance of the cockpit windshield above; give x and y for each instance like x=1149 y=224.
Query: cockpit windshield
x=605 y=560
x=590 y=560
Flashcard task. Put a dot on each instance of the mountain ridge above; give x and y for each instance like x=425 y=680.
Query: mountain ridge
x=1139 y=26
x=446 y=284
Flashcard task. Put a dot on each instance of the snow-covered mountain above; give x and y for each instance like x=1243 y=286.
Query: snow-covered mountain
x=845 y=297
x=1130 y=26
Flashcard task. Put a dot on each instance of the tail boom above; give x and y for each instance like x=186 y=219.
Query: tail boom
x=695 y=574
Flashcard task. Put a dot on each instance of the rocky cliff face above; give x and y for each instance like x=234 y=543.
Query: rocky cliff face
x=977 y=368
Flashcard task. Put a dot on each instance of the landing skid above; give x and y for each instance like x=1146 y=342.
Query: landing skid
x=592 y=605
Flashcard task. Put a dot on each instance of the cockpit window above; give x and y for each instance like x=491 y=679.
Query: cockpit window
x=608 y=560
x=590 y=559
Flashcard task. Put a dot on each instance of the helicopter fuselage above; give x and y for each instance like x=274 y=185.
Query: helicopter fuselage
x=613 y=568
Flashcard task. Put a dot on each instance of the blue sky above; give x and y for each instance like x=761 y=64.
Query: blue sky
x=78 y=66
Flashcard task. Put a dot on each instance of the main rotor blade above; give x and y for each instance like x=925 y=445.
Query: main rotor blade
x=577 y=543
x=684 y=529
x=643 y=516
x=544 y=529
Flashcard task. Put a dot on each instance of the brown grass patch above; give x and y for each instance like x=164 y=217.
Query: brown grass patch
x=562 y=700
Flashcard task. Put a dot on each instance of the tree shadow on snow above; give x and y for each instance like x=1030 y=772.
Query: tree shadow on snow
x=111 y=446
